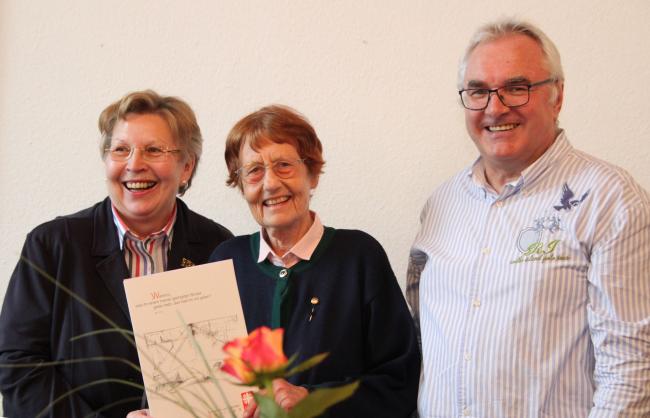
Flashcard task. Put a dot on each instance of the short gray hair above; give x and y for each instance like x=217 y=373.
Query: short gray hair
x=510 y=26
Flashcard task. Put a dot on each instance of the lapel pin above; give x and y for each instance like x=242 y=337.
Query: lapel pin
x=314 y=301
x=186 y=263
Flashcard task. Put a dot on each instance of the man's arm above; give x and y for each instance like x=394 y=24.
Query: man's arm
x=619 y=315
x=417 y=261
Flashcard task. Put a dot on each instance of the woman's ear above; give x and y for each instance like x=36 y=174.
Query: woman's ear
x=313 y=182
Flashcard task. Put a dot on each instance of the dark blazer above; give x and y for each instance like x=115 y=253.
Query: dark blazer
x=38 y=319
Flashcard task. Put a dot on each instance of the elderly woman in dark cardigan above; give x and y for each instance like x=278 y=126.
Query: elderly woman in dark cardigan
x=332 y=290
x=151 y=146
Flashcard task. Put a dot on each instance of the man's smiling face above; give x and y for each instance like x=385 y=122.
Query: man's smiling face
x=511 y=139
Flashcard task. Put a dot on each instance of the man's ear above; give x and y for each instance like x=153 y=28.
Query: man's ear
x=557 y=105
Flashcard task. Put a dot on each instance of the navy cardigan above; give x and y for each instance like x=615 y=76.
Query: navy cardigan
x=361 y=318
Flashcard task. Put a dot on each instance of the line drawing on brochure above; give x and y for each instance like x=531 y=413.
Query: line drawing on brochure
x=176 y=360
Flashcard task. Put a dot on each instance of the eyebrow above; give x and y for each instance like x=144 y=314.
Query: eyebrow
x=478 y=84
x=517 y=80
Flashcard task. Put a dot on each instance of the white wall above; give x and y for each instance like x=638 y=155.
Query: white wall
x=376 y=78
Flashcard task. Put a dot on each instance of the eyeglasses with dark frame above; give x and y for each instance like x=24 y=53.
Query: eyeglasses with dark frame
x=253 y=173
x=511 y=95
x=149 y=153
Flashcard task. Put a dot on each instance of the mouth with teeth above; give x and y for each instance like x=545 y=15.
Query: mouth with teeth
x=501 y=128
x=275 y=201
x=136 y=186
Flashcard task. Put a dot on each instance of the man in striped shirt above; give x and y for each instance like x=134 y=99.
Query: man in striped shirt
x=530 y=276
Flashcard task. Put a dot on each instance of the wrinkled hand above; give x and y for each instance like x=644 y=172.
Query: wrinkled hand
x=285 y=394
x=288 y=395
x=142 y=413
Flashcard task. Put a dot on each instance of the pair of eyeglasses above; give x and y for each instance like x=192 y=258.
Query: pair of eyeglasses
x=512 y=95
x=150 y=153
x=254 y=173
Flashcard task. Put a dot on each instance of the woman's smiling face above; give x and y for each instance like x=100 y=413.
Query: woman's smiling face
x=279 y=205
x=144 y=192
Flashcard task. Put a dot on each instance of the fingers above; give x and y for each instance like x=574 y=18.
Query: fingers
x=142 y=413
x=288 y=395
x=251 y=410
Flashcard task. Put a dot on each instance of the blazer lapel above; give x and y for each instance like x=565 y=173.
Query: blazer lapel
x=111 y=266
x=180 y=254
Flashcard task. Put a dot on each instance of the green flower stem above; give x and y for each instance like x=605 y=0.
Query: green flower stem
x=267 y=385
x=79 y=299
x=94 y=413
x=101 y=331
x=82 y=387
x=208 y=369
x=71 y=361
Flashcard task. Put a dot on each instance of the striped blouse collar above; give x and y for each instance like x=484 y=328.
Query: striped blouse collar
x=122 y=228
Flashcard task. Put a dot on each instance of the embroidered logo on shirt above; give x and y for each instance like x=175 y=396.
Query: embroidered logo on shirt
x=535 y=243
x=567 y=200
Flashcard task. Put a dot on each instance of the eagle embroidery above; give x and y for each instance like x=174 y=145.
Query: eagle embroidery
x=567 y=201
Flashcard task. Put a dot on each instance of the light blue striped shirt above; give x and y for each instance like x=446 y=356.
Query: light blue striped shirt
x=535 y=302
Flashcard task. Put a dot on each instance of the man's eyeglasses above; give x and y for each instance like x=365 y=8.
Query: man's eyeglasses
x=512 y=95
x=254 y=173
x=150 y=153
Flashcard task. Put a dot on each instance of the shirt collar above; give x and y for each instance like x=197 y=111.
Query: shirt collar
x=303 y=249
x=122 y=228
x=558 y=149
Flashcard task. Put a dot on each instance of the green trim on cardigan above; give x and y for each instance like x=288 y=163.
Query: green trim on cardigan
x=282 y=276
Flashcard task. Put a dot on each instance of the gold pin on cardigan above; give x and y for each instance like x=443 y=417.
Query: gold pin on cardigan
x=314 y=301
x=186 y=263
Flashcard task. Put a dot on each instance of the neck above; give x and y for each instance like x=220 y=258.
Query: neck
x=143 y=231
x=283 y=239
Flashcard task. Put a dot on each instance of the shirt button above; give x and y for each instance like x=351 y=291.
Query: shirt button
x=466 y=411
x=485 y=250
x=467 y=356
x=476 y=303
x=283 y=273
x=499 y=203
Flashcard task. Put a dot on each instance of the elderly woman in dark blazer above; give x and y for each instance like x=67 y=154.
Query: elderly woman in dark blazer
x=151 y=146
x=332 y=290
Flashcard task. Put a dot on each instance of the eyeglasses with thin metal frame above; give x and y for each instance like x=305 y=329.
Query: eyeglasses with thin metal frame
x=511 y=95
x=149 y=153
x=253 y=173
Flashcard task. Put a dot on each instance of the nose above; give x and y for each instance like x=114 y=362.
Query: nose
x=136 y=161
x=270 y=180
x=495 y=106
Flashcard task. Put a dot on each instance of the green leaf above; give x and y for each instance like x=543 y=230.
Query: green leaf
x=320 y=400
x=268 y=408
x=101 y=331
x=307 y=364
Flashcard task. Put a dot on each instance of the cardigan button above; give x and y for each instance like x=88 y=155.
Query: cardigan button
x=283 y=273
